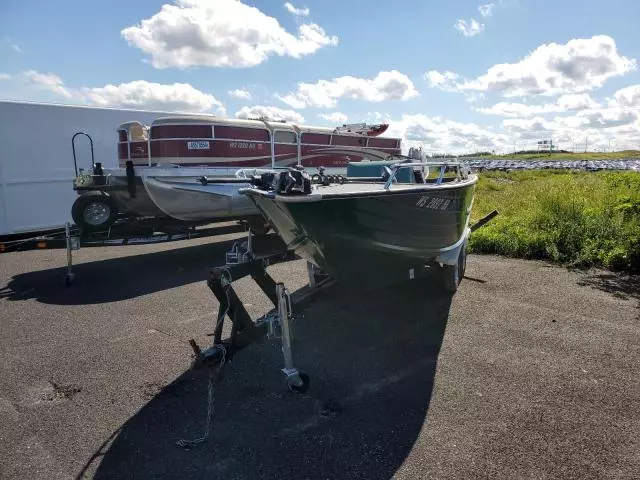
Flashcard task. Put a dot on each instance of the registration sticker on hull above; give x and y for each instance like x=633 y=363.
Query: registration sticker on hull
x=199 y=145
x=437 y=203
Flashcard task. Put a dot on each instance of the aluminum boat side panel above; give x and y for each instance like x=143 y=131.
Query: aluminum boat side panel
x=185 y=199
x=381 y=234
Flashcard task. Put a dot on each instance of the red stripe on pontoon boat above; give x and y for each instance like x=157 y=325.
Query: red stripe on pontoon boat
x=383 y=142
x=181 y=131
x=349 y=140
x=241 y=133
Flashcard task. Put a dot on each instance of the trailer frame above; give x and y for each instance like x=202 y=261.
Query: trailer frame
x=120 y=234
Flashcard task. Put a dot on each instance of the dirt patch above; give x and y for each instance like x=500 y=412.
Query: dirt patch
x=60 y=392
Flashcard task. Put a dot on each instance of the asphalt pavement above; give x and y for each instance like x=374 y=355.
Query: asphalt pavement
x=529 y=371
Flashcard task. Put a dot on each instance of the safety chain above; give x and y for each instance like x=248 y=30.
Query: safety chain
x=187 y=444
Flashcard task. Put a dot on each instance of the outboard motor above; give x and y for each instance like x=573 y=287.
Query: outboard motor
x=290 y=182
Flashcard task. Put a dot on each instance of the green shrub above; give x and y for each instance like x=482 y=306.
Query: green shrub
x=578 y=219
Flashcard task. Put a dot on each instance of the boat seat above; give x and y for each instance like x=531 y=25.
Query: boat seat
x=138 y=133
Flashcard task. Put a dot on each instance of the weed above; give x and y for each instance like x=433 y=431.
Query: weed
x=579 y=219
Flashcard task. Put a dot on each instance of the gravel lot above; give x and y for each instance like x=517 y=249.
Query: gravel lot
x=530 y=371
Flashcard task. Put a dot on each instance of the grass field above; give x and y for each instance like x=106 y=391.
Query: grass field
x=566 y=156
x=576 y=219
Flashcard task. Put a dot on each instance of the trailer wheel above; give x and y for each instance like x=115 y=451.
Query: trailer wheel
x=451 y=275
x=94 y=210
x=303 y=384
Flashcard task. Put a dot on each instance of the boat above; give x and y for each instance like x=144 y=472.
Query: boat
x=385 y=222
x=189 y=168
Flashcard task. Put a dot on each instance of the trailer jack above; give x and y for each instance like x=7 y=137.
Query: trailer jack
x=275 y=324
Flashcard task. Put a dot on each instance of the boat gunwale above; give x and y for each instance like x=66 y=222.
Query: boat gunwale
x=316 y=196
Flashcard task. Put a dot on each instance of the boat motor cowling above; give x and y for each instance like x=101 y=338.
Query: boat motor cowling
x=289 y=182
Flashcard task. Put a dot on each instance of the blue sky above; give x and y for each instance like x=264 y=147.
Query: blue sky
x=448 y=75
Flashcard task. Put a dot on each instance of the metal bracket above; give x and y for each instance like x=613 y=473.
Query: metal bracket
x=242 y=253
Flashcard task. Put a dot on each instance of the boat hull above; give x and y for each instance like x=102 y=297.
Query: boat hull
x=187 y=200
x=378 y=239
x=178 y=193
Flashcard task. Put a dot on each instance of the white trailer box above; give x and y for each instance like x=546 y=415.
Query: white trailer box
x=36 y=160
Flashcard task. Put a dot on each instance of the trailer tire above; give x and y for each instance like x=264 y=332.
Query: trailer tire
x=94 y=210
x=451 y=275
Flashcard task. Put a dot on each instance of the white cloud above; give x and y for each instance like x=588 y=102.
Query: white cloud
x=444 y=81
x=598 y=125
x=223 y=33
x=48 y=81
x=334 y=117
x=12 y=45
x=143 y=94
x=506 y=109
x=470 y=29
x=5 y=76
x=576 y=101
x=384 y=86
x=138 y=94
x=528 y=128
x=588 y=118
x=589 y=121
x=301 y=12
x=240 y=93
x=627 y=97
x=608 y=118
x=439 y=135
x=374 y=117
x=486 y=10
x=568 y=102
x=577 y=66
x=269 y=113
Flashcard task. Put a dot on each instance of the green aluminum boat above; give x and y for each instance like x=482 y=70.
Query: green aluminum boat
x=383 y=223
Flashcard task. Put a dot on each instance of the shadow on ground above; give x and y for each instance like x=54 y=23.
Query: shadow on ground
x=618 y=284
x=116 y=279
x=372 y=361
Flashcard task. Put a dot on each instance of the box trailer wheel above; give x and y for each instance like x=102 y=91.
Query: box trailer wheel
x=94 y=210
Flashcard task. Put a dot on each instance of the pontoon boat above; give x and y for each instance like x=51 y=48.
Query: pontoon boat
x=163 y=168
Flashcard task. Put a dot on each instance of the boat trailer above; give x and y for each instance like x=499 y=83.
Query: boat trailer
x=241 y=262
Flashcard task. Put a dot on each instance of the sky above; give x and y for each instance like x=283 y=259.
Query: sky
x=453 y=76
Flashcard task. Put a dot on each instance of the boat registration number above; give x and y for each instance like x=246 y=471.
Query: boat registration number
x=250 y=146
x=198 y=145
x=436 y=203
